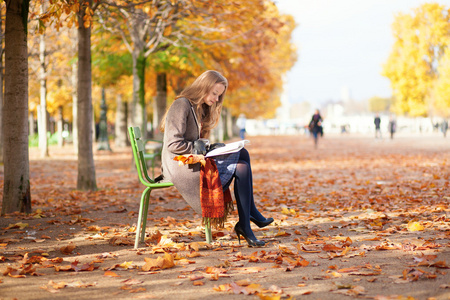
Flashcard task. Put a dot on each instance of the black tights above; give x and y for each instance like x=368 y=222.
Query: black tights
x=243 y=192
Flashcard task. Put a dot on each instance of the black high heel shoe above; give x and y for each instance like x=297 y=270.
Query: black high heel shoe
x=250 y=242
x=262 y=224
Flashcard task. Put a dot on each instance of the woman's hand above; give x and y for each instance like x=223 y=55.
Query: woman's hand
x=200 y=147
x=215 y=146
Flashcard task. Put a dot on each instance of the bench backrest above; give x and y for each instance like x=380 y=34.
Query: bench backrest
x=138 y=146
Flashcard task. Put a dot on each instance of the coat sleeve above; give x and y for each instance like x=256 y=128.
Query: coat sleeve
x=176 y=126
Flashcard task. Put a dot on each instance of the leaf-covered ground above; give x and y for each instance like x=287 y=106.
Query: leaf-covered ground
x=356 y=218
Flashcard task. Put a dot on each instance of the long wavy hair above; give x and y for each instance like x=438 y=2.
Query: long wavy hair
x=207 y=115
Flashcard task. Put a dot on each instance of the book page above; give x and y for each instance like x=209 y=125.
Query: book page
x=228 y=148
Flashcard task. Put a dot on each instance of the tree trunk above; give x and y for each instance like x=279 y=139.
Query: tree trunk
x=31 y=124
x=94 y=129
x=160 y=104
x=16 y=188
x=226 y=122
x=42 y=112
x=60 y=126
x=74 y=107
x=221 y=128
x=121 y=140
x=138 y=109
x=86 y=168
x=1 y=89
x=229 y=132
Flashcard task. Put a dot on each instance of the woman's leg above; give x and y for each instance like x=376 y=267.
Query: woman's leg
x=316 y=137
x=242 y=193
x=254 y=212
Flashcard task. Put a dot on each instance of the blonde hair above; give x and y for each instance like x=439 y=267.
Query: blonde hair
x=207 y=115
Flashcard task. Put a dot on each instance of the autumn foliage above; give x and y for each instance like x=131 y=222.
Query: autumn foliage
x=249 y=42
x=418 y=64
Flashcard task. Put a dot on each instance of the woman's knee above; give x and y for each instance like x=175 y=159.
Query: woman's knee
x=244 y=155
x=242 y=168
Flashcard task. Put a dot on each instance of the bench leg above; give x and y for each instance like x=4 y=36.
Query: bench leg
x=144 y=220
x=141 y=214
x=208 y=233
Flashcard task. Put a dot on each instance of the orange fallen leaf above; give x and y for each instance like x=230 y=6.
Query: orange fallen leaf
x=222 y=288
x=440 y=264
x=253 y=269
x=159 y=263
x=19 y=225
x=196 y=277
x=336 y=274
x=194 y=246
x=332 y=248
x=111 y=274
x=131 y=281
x=347 y=270
x=57 y=285
x=253 y=288
x=214 y=277
x=141 y=289
x=243 y=282
x=353 y=291
x=193 y=254
x=269 y=296
x=121 y=240
x=67 y=249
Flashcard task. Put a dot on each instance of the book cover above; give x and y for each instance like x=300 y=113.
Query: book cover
x=228 y=148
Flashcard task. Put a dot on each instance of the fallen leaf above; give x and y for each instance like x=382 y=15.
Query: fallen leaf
x=67 y=249
x=111 y=274
x=415 y=226
x=19 y=225
x=159 y=263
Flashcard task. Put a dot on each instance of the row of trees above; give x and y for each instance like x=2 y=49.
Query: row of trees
x=419 y=63
x=60 y=53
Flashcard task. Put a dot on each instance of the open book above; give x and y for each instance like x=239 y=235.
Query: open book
x=228 y=148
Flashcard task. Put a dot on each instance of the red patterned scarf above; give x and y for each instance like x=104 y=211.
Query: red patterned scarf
x=215 y=203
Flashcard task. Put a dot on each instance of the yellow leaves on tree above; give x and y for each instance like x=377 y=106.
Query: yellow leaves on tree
x=442 y=86
x=412 y=67
x=250 y=44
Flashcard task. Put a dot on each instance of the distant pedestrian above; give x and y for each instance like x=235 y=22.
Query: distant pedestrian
x=315 y=126
x=392 y=126
x=240 y=123
x=444 y=127
x=377 y=122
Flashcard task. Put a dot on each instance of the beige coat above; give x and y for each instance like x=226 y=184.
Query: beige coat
x=181 y=130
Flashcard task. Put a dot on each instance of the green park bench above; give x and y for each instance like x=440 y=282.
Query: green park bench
x=138 y=147
x=153 y=149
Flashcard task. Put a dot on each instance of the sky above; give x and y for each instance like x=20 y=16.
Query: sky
x=342 y=45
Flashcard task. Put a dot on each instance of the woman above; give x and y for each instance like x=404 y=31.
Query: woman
x=315 y=126
x=193 y=114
